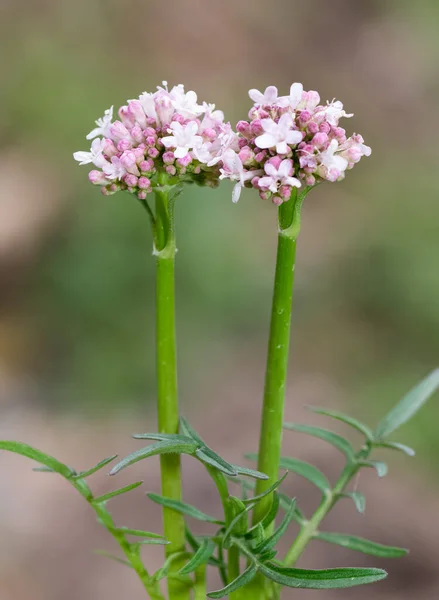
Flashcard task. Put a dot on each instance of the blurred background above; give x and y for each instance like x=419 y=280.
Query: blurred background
x=77 y=286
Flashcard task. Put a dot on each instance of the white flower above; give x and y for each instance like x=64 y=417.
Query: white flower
x=185 y=103
x=334 y=111
x=268 y=97
x=103 y=125
x=279 y=134
x=296 y=91
x=184 y=138
x=233 y=169
x=333 y=161
x=202 y=151
x=281 y=175
x=94 y=156
x=115 y=169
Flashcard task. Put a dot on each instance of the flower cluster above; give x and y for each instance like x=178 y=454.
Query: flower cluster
x=289 y=141
x=166 y=131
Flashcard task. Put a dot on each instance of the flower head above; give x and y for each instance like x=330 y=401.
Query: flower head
x=290 y=141
x=164 y=131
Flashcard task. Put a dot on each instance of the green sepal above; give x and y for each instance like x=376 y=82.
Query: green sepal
x=164 y=447
x=103 y=463
x=339 y=416
x=380 y=467
x=237 y=583
x=267 y=492
x=183 y=508
x=408 y=406
x=201 y=557
x=45 y=459
x=321 y=579
x=271 y=542
x=359 y=544
x=334 y=439
x=396 y=446
x=105 y=497
x=358 y=499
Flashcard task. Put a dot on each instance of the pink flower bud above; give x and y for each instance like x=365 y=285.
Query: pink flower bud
x=304 y=117
x=97 y=178
x=275 y=161
x=255 y=181
x=128 y=160
x=260 y=156
x=125 y=117
x=312 y=127
x=124 y=145
x=277 y=200
x=151 y=122
x=325 y=127
x=151 y=140
x=142 y=195
x=244 y=128
x=185 y=161
x=197 y=170
x=109 y=148
x=164 y=109
x=256 y=127
x=264 y=195
x=146 y=166
x=137 y=134
x=168 y=158
x=310 y=180
x=209 y=133
x=137 y=113
x=153 y=152
x=171 y=170
x=246 y=154
x=144 y=183
x=118 y=131
x=130 y=180
x=285 y=192
x=320 y=139
x=105 y=191
x=139 y=153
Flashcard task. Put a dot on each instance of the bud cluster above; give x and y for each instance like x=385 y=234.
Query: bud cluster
x=165 y=131
x=290 y=141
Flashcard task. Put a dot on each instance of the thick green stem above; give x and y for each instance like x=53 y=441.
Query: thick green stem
x=167 y=399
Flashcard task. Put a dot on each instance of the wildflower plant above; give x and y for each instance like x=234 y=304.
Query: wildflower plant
x=287 y=146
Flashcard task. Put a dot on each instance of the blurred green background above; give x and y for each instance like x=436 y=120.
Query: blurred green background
x=77 y=275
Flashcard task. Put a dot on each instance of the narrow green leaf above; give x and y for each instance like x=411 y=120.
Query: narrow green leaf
x=208 y=456
x=267 y=556
x=309 y=472
x=250 y=472
x=43 y=470
x=272 y=513
x=45 y=459
x=267 y=492
x=96 y=468
x=396 y=446
x=183 y=508
x=358 y=498
x=323 y=579
x=106 y=554
x=138 y=532
x=161 y=542
x=271 y=542
x=408 y=406
x=201 y=557
x=194 y=543
x=110 y=495
x=303 y=469
x=334 y=439
x=187 y=430
x=164 y=437
x=164 y=447
x=361 y=545
x=237 y=583
x=379 y=466
x=339 y=416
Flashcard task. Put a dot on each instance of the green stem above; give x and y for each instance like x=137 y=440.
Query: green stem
x=270 y=440
x=310 y=528
x=167 y=399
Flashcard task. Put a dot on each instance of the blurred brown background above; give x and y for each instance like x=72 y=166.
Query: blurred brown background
x=76 y=273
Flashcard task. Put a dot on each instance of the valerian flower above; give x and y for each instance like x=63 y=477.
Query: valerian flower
x=289 y=142
x=165 y=131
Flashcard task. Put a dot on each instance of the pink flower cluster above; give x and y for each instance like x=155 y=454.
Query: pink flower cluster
x=166 y=131
x=290 y=141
